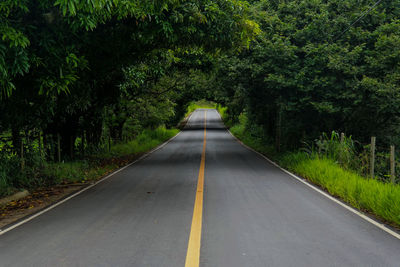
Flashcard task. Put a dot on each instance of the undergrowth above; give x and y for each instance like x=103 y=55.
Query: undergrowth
x=42 y=174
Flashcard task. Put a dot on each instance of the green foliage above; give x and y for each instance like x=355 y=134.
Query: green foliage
x=9 y=171
x=304 y=66
x=84 y=72
x=13 y=177
x=342 y=151
x=223 y=111
x=252 y=136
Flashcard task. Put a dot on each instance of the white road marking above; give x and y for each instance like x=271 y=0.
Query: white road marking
x=84 y=189
x=353 y=210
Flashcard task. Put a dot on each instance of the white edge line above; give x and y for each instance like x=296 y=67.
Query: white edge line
x=84 y=189
x=368 y=219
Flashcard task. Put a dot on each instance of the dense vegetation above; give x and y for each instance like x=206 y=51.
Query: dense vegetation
x=78 y=77
x=317 y=67
x=312 y=70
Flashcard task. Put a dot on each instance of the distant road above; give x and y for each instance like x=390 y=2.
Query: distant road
x=248 y=213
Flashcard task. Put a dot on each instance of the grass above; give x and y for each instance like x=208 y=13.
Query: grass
x=374 y=196
x=77 y=171
x=53 y=173
x=145 y=141
x=200 y=104
x=119 y=155
x=382 y=199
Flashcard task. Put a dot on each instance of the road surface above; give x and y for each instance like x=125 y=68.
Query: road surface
x=251 y=214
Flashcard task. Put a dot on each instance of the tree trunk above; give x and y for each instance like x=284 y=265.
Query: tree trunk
x=16 y=140
x=278 y=129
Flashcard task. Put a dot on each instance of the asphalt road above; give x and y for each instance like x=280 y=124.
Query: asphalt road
x=253 y=215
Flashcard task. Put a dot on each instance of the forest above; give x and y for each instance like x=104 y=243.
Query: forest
x=81 y=79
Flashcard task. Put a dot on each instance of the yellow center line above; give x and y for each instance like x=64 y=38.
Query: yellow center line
x=193 y=251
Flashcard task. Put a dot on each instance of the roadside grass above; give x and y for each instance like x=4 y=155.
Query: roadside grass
x=379 y=198
x=105 y=162
x=145 y=141
x=82 y=171
x=65 y=172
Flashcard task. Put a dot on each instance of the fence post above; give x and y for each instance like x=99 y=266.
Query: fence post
x=341 y=137
x=320 y=145
x=392 y=164
x=58 y=147
x=373 y=141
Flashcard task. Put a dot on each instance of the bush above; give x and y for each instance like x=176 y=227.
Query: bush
x=252 y=135
x=10 y=173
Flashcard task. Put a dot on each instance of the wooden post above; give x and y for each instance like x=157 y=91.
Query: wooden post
x=392 y=164
x=373 y=141
x=58 y=147
x=341 y=137
x=320 y=145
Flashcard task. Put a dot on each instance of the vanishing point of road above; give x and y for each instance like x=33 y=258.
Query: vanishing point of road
x=201 y=200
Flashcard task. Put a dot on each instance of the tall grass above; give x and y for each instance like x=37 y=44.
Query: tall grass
x=341 y=150
x=382 y=199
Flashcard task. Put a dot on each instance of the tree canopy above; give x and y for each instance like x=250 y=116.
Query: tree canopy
x=296 y=68
x=66 y=66
x=318 y=66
